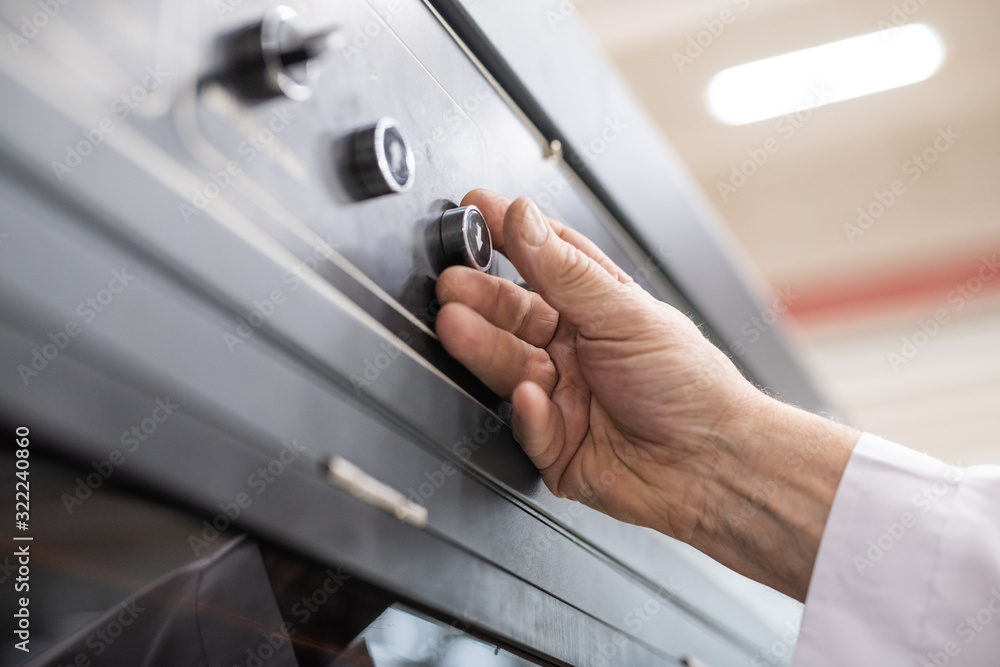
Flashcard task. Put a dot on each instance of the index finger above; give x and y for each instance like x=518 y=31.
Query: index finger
x=494 y=207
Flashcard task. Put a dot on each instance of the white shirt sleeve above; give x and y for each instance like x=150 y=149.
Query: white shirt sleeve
x=908 y=571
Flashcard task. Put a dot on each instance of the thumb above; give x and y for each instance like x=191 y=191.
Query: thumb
x=562 y=274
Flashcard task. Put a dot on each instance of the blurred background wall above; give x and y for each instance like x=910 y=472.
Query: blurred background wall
x=897 y=316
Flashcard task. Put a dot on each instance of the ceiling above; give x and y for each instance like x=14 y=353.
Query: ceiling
x=858 y=292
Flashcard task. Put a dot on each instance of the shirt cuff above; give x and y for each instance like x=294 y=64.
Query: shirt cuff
x=874 y=579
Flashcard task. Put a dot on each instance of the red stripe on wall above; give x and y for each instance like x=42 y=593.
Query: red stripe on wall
x=967 y=280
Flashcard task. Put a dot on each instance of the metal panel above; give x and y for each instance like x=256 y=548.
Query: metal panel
x=283 y=310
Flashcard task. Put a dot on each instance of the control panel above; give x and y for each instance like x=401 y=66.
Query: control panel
x=276 y=188
x=346 y=131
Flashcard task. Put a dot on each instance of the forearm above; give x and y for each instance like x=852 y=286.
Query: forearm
x=772 y=495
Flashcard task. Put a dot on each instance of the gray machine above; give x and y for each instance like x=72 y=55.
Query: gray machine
x=221 y=225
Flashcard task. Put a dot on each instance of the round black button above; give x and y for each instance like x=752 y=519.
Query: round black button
x=275 y=57
x=465 y=238
x=382 y=160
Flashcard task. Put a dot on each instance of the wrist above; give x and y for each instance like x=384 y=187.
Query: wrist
x=777 y=475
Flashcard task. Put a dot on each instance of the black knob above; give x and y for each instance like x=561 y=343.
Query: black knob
x=382 y=160
x=465 y=239
x=275 y=56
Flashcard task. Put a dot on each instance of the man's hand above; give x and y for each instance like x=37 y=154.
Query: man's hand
x=624 y=405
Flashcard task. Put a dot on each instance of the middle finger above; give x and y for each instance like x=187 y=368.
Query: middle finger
x=504 y=304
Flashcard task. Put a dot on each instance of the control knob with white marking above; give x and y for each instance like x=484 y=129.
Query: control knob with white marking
x=381 y=160
x=275 y=56
x=465 y=238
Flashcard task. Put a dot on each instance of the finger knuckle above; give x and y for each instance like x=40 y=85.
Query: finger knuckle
x=448 y=287
x=522 y=316
x=576 y=268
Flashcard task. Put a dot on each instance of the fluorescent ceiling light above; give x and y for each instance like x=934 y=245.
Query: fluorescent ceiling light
x=824 y=74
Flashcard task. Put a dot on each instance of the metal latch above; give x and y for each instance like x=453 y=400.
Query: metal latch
x=366 y=488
